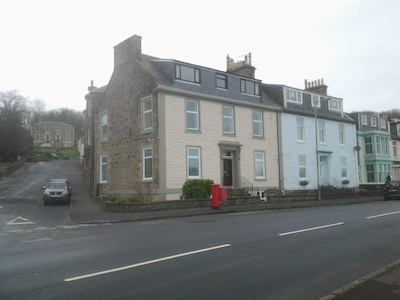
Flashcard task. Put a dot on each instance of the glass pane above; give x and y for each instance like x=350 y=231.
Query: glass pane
x=191 y=106
x=187 y=73
x=193 y=167
x=193 y=152
x=148 y=167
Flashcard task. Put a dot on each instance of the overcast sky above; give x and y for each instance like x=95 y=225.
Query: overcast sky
x=51 y=50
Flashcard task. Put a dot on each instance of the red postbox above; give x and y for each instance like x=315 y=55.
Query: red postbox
x=215 y=196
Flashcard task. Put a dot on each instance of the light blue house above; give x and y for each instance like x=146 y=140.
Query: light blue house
x=317 y=139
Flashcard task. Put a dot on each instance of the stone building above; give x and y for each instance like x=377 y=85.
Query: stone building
x=53 y=134
x=159 y=122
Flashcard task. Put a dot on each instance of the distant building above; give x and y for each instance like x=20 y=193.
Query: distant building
x=373 y=138
x=53 y=134
x=395 y=135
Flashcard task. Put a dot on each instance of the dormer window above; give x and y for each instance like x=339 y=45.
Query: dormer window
x=293 y=96
x=315 y=101
x=249 y=87
x=187 y=73
x=335 y=104
x=373 y=121
x=382 y=123
x=221 y=81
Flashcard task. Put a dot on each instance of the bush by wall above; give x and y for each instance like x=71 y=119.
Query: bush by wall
x=197 y=189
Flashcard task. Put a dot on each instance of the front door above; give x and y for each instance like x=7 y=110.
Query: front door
x=323 y=170
x=227 y=179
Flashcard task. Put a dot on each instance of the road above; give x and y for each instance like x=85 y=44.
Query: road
x=284 y=254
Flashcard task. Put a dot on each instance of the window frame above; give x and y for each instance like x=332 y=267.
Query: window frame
x=228 y=120
x=302 y=159
x=195 y=113
x=382 y=124
x=321 y=132
x=342 y=134
x=368 y=144
x=257 y=163
x=221 y=78
x=147 y=114
x=335 y=105
x=103 y=169
x=298 y=98
x=343 y=167
x=301 y=131
x=146 y=159
x=318 y=100
x=370 y=171
x=180 y=74
x=373 y=122
x=103 y=126
x=193 y=158
x=364 y=120
x=249 y=87
x=258 y=123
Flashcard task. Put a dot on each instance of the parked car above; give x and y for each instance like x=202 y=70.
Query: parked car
x=391 y=189
x=57 y=191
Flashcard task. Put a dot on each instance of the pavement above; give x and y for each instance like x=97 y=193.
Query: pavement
x=382 y=284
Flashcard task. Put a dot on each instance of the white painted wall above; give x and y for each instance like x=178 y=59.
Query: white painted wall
x=291 y=148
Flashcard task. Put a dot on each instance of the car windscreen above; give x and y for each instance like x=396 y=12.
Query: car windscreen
x=57 y=186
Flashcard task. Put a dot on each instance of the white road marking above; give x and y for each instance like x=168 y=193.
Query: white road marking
x=310 y=229
x=384 y=215
x=38 y=240
x=20 y=221
x=146 y=263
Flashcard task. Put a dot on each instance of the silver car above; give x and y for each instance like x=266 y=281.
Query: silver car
x=57 y=191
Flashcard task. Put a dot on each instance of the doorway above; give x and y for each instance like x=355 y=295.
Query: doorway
x=228 y=172
x=324 y=170
x=227 y=180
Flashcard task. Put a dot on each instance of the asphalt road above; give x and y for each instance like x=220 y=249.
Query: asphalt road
x=284 y=254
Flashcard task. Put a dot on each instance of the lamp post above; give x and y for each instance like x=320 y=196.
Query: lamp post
x=315 y=102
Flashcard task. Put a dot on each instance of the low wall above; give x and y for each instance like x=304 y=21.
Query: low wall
x=174 y=204
x=198 y=203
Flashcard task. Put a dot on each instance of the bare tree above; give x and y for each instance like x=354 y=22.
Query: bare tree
x=15 y=139
x=38 y=108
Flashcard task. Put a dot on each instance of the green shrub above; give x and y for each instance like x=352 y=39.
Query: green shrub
x=197 y=189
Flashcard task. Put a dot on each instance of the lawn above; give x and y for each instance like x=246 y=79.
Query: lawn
x=63 y=153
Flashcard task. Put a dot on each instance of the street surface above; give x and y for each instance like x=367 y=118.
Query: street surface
x=283 y=254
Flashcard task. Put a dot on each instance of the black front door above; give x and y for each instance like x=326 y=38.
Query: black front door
x=228 y=172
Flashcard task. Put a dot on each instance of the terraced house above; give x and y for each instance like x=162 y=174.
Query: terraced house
x=373 y=135
x=317 y=139
x=159 y=122
x=395 y=136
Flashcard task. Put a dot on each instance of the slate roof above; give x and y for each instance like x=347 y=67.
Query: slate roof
x=52 y=124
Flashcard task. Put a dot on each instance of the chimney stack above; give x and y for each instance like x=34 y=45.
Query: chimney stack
x=316 y=86
x=241 y=67
x=128 y=50
x=91 y=87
